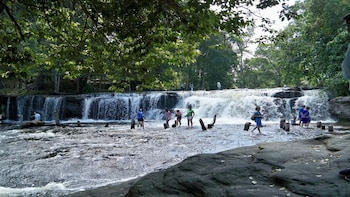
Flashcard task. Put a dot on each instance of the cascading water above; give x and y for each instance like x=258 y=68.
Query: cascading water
x=51 y=105
x=235 y=104
x=26 y=105
x=239 y=105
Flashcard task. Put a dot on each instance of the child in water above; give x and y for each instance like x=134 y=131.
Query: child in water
x=258 y=116
x=189 y=115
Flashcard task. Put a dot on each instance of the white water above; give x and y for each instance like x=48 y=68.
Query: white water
x=238 y=105
x=234 y=105
x=53 y=161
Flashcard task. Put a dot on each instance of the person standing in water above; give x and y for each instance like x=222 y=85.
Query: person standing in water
x=218 y=85
x=300 y=114
x=178 y=116
x=191 y=87
x=140 y=119
x=190 y=114
x=258 y=116
x=306 y=119
x=167 y=117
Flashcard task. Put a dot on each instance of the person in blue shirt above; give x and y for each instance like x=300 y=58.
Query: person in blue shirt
x=36 y=117
x=306 y=119
x=300 y=114
x=258 y=116
x=140 y=119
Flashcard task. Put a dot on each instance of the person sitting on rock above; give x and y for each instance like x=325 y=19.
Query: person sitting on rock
x=37 y=117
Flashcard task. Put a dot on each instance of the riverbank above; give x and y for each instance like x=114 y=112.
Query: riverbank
x=299 y=168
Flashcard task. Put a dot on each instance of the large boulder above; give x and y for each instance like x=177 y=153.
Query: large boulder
x=305 y=168
x=340 y=107
x=300 y=168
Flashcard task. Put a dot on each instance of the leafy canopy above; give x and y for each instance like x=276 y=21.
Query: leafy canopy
x=118 y=40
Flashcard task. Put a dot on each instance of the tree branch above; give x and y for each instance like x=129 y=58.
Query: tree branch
x=17 y=26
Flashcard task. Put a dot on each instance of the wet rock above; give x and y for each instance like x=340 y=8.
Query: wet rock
x=288 y=94
x=72 y=107
x=33 y=123
x=340 y=107
x=300 y=168
x=303 y=168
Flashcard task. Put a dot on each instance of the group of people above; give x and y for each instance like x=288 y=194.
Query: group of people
x=304 y=116
x=191 y=86
x=183 y=86
x=167 y=116
x=178 y=115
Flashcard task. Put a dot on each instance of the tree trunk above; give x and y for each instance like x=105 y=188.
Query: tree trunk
x=57 y=80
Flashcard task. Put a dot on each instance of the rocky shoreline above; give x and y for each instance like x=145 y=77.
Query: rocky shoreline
x=301 y=168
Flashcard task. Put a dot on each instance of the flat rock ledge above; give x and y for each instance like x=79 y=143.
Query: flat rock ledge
x=300 y=168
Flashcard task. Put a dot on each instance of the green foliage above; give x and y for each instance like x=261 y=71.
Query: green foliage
x=213 y=65
x=133 y=44
x=309 y=52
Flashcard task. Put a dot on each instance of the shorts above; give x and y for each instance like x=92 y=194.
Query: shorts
x=189 y=117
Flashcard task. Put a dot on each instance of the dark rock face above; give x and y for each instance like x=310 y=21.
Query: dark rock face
x=168 y=100
x=340 y=107
x=305 y=168
x=288 y=94
x=72 y=107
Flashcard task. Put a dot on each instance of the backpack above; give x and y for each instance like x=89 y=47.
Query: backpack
x=253 y=117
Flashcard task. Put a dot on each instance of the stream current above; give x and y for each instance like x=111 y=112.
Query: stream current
x=60 y=160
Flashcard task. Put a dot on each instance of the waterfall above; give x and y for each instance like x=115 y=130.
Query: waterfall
x=232 y=104
x=119 y=106
x=26 y=105
x=240 y=104
x=51 y=105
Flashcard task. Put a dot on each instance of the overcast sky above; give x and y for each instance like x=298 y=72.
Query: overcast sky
x=273 y=14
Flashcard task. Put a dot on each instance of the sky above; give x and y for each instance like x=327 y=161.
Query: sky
x=272 y=14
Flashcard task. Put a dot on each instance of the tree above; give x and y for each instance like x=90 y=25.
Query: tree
x=241 y=42
x=214 y=64
x=124 y=41
x=261 y=70
x=310 y=50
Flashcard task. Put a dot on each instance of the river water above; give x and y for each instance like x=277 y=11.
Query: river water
x=59 y=160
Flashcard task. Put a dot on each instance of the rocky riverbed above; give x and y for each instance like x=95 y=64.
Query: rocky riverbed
x=306 y=167
x=114 y=160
